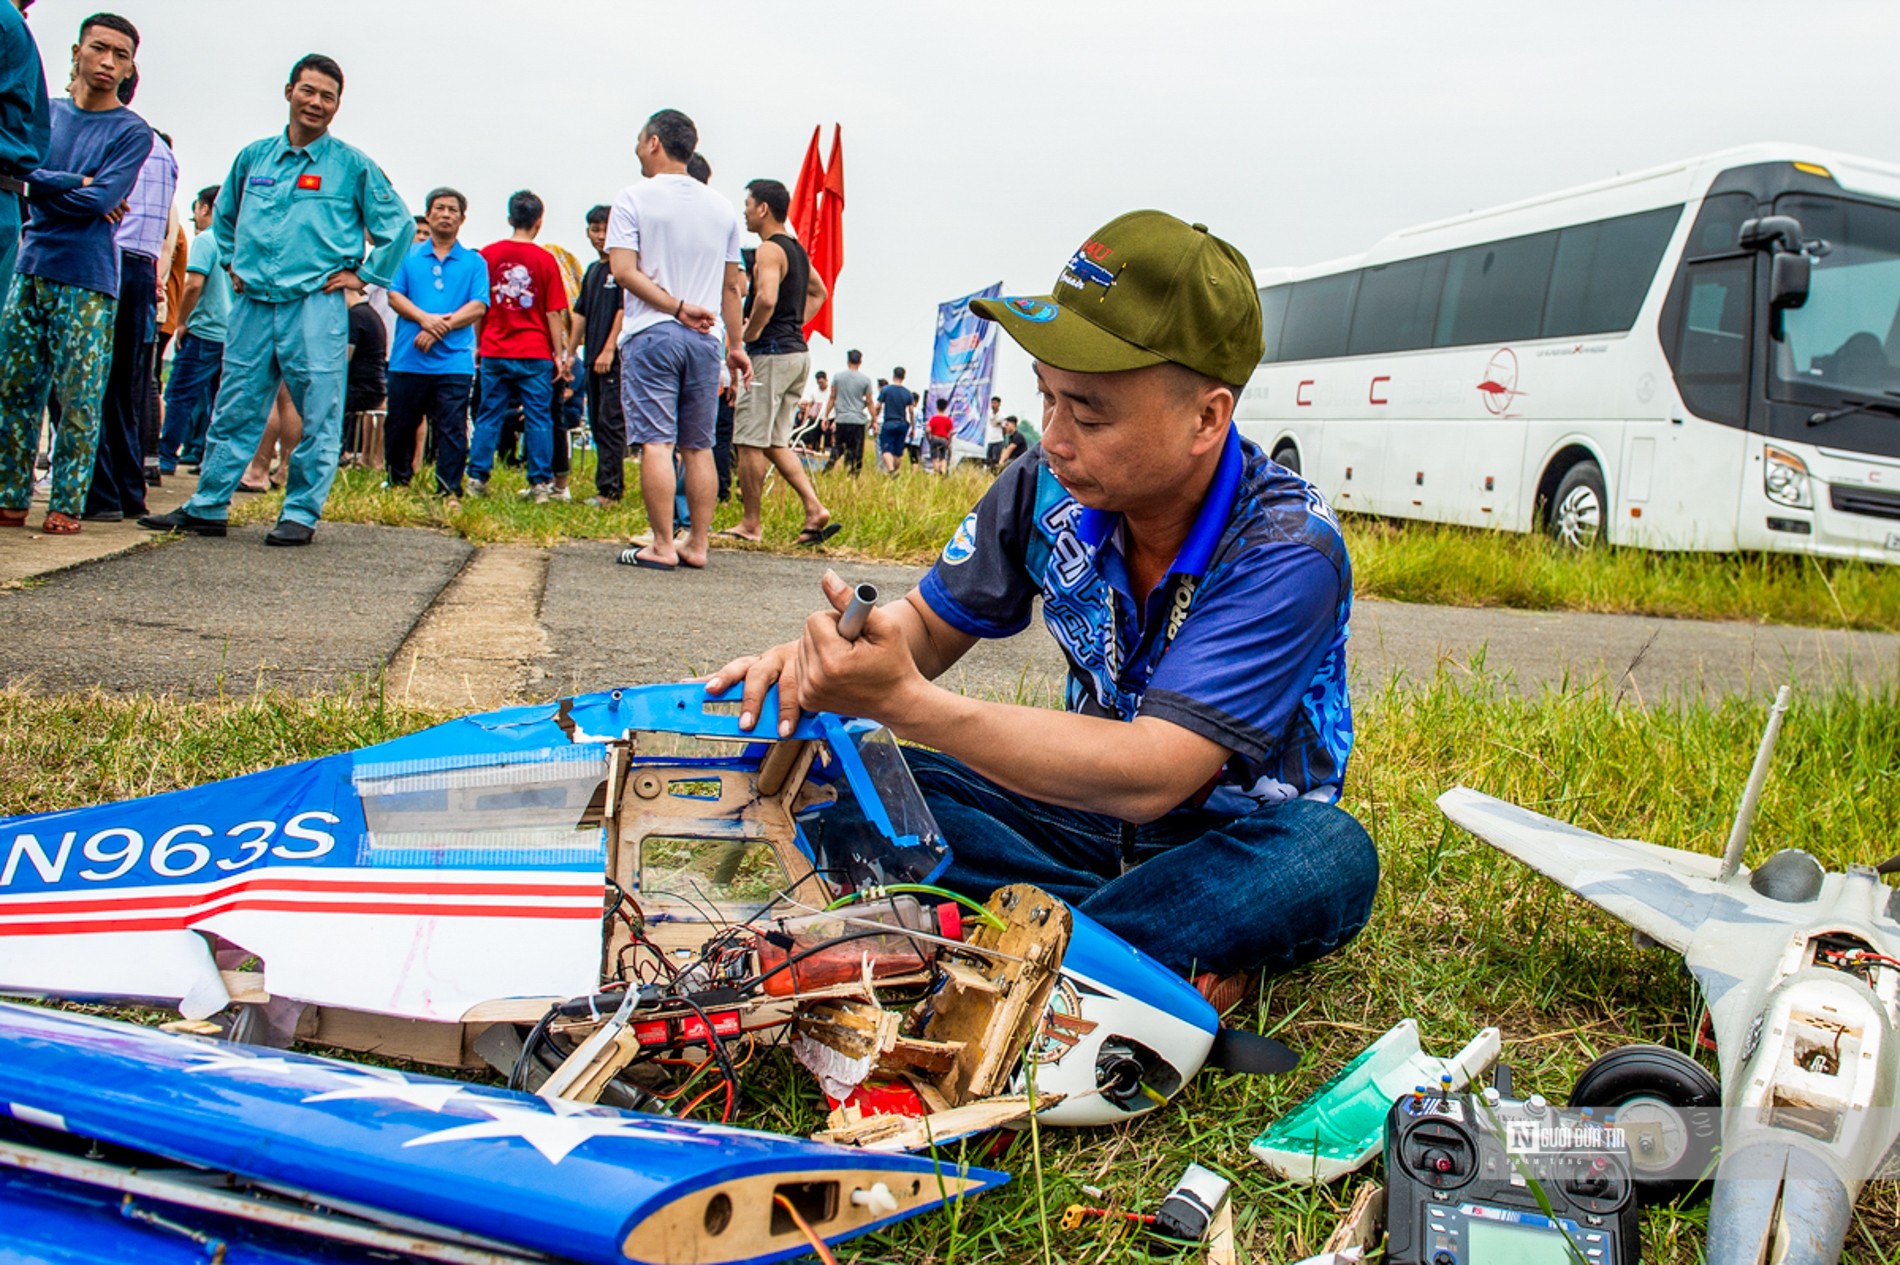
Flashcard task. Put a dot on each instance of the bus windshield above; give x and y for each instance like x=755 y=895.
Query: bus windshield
x=1845 y=340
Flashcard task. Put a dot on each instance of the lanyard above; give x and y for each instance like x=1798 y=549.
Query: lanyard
x=1185 y=587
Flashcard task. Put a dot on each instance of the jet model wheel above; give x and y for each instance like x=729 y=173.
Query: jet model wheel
x=1669 y=1109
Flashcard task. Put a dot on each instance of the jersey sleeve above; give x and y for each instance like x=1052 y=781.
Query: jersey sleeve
x=1252 y=643
x=981 y=584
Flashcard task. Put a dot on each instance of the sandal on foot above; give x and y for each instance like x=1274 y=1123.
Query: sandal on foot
x=58 y=524
x=632 y=557
x=12 y=518
x=817 y=535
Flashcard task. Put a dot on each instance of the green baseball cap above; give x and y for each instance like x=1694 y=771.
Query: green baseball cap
x=1144 y=289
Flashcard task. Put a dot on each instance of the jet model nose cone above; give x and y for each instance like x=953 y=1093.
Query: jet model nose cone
x=1776 y=1202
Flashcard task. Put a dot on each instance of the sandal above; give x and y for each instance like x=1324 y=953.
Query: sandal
x=12 y=518
x=58 y=524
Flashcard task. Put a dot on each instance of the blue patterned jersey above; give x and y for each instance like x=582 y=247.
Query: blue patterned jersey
x=1243 y=642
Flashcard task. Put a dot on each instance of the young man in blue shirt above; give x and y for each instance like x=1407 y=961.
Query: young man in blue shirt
x=438 y=293
x=292 y=221
x=57 y=332
x=198 y=355
x=1187 y=799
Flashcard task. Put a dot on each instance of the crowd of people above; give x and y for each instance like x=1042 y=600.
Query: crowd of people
x=1200 y=593
x=312 y=319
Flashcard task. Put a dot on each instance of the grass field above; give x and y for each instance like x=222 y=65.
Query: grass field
x=908 y=519
x=1460 y=937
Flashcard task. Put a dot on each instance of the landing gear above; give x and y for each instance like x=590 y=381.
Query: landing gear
x=1669 y=1109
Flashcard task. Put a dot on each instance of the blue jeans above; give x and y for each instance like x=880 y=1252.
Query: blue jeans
x=189 y=393
x=304 y=344
x=1282 y=886
x=506 y=383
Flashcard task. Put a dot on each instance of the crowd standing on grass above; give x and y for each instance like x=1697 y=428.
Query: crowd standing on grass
x=312 y=319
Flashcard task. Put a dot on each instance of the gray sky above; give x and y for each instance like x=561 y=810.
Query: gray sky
x=985 y=140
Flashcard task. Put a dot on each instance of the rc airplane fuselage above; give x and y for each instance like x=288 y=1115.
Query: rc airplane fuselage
x=1800 y=969
x=479 y=872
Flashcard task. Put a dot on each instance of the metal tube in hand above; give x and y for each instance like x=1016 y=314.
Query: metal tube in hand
x=851 y=623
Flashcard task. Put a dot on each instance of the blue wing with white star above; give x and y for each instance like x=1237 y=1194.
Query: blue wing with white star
x=574 y=1180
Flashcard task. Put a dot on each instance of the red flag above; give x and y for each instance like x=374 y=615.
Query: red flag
x=826 y=247
x=811 y=180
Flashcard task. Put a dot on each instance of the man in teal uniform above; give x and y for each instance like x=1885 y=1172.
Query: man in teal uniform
x=301 y=218
x=25 y=126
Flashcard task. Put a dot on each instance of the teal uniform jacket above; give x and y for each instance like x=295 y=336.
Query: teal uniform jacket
x=288 y=219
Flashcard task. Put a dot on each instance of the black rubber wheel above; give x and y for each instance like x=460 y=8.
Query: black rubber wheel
x=1580 y=508
x=1670 y=1109
x=1287 y=455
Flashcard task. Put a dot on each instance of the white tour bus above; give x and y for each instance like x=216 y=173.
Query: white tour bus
x=1702 y=356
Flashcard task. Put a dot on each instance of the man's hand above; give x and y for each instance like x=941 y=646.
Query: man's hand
x=823 y=672
x=604 y=362
x=760 y=672
x=343 y=280
x=425 y=340
x=874 y=676
x=435 y=325
x=118 y=213
x=237 y=283
x=741 y=366
x=562 y=371
x=695 y=317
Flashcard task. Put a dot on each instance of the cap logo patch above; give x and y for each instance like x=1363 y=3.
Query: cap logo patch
x=1082 y=270
x=1032 y=309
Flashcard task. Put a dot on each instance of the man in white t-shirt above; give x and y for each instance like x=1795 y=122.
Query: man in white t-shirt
x=673 y=246
x=993 y=433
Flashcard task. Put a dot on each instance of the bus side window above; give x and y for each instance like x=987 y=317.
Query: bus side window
x=1712 y=345
x=1272 y=318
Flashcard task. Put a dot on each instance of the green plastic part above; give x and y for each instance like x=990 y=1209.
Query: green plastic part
x=1341 y=1125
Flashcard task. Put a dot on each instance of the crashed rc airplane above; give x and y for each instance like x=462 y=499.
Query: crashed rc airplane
x=1801 y=972
x=631 y=874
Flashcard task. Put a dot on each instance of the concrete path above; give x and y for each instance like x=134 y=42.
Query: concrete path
x=29 y=553
x=458 y=629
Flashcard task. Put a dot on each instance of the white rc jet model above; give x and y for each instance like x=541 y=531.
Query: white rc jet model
x=1800 y=969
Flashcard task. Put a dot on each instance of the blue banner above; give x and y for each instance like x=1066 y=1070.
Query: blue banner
x=963 y=364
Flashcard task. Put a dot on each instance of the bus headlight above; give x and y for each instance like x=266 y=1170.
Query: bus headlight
x=1785 y=479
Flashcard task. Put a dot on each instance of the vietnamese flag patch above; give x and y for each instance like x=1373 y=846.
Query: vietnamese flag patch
x=310 y=180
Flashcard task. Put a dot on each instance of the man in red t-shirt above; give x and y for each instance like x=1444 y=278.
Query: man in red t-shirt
x=941 y=426
x=523 y=349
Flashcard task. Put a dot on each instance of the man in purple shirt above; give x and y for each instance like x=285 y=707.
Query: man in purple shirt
x=56 y=333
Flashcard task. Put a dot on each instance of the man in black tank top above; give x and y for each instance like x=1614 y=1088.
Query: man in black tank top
x=784 y=288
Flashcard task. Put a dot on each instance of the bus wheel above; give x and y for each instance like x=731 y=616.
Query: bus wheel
x=1287 y=456
x=1576 y=512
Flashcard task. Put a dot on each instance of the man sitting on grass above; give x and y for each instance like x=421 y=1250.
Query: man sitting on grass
x=1188 y=797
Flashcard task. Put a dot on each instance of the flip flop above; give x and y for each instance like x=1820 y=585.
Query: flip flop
x=246 y=487
x=730 y=534
x=818 y=535
x=631 y=557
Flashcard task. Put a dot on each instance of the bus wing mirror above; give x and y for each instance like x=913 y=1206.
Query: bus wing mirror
x=1770 y=232
x=1788 y=277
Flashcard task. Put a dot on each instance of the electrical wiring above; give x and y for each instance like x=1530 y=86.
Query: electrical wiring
x=818 y=1244
x=893 y=889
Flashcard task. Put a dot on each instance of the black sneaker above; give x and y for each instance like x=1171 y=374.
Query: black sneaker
x=154 y=477
x=178 y=520
x=103 y=516
x=290 y=532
